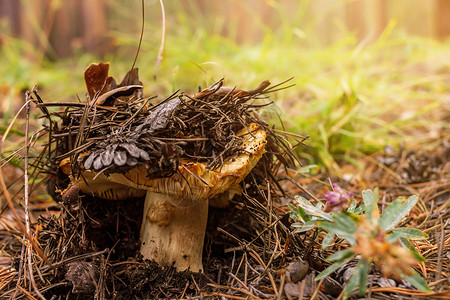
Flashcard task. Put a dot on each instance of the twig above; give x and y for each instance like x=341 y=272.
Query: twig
x=141 y=37
x=184 y=290
x=26 y=293
x=314 y=295
x=249 y=294
x=30 y=270
x=79 y=257
x=9 y=199
x=238 y=280
x=302 y=290
x=159 y=58
x=440 y=249
x=195 y=283
x=226 y=296
x=27 y=199
x=237 y=272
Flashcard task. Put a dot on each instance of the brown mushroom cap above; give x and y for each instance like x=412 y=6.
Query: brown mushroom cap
x=187 y=184
x=193 y=181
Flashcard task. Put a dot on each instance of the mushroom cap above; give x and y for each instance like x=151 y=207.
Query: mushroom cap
x=193 y=182
x=101 y=186
x=98 y=184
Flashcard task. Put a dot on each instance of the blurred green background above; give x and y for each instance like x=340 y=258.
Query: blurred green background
x=368 y=73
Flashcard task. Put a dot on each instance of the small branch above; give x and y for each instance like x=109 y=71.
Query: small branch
x=140 y=39
x=30 y=270
x=159 y=58
x=27 y=200
x=9 y=200
x=26 y=181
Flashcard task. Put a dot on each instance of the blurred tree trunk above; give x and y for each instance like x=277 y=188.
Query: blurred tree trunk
x=30 y=17
x=94 y=26
x=368 y=18
x=442 y=19
x=9 y=10
x=65 y=33
x=355 y=18
x=378 y=18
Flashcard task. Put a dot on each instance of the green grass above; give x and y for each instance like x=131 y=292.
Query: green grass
x=351 y=98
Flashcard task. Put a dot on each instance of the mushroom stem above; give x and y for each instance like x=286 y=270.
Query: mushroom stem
x=171 y=234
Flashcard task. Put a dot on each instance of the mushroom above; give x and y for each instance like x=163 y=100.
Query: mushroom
x=176 y=207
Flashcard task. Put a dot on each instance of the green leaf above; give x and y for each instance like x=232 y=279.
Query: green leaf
x=352 y=207
x=406 y=243
x=343 y=254
x=327 y=240
x=410 y=233
x=360 y=209
x=311 y=210
x=370 y=201
x=392 y=237
x=302 y=227
x=409 y=204
x=417 y=281
x=303 y=214
x=352 y=216
x=390 y=215
x=303 y=201
x=395 y=212
x=293 y=209
x=344 y=222
x=363 y=269
x=358 y=279
x=332 y=268
x=341 y=232
x=307 y=169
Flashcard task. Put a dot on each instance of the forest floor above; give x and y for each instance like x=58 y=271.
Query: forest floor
x=251 y=250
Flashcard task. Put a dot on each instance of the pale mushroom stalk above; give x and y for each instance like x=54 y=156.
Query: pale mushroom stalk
x=174 y=234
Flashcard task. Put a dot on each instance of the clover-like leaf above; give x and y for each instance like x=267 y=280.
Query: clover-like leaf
x=131 y=161
x=144 y=155
x=340 y=231
x=311 y=210
x=327 y=240
x=359 y=278
x=303 y=214
x=417 y=281
x=302 y=227
x=370 y=202
x=407 y=233
x=406 y=243
x=340 y=255
x=395 y=212
x=344 y=222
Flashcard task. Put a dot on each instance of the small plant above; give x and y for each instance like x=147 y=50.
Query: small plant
x=372 y=236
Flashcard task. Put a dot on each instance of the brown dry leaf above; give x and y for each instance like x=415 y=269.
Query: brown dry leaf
x=131 y=78
x=95 y=76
